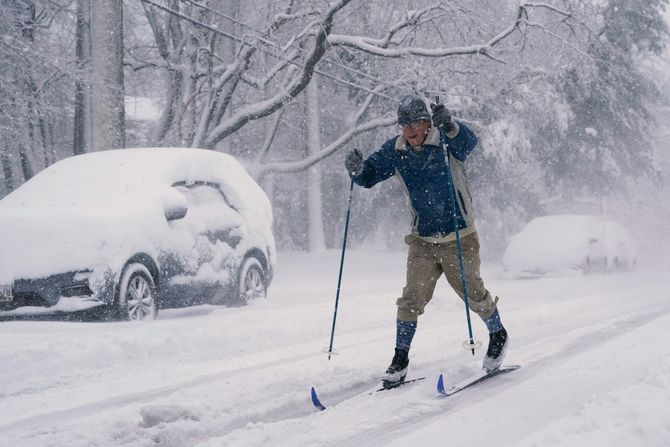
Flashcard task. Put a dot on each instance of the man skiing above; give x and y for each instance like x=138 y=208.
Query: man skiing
x=417 y=158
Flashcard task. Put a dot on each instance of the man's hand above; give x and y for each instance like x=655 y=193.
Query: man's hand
x=354 y=162
x=442 y=117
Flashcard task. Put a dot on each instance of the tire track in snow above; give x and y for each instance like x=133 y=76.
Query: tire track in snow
x=138 y=397
x=121 y=400
x=118 y=401
x=419 y=414
x=290 y=409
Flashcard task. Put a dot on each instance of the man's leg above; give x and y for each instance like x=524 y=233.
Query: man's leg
x=422 y=274
x=479 y=299
x=423 y=271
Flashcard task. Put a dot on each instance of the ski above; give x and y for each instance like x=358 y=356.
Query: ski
x=386 y=387
x=472 y=380
x=316 y=402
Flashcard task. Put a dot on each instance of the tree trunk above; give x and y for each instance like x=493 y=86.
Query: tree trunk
x=314 y=204
x=188 y=118
x=25 y=103
x=82 y=95
x=28 y=141
x=26 y=166
x=6 y=161
x=108 y=127
x=168 y=114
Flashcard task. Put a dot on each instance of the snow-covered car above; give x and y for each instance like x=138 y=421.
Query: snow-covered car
x=134 y=230
x=562 y=244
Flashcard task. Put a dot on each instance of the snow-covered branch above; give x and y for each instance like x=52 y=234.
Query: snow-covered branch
x=387 y=47
x=546 y=6
x=412 y=19
x=296 y=85
x=192 y=20
x=296 y=166
x=363 y=45
x=262 y=82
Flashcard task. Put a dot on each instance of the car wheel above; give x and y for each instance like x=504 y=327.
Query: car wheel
x=137 y=294
x=251 y=281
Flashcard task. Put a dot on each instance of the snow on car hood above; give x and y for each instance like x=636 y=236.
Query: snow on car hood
x=104 y=205
x=38 y=242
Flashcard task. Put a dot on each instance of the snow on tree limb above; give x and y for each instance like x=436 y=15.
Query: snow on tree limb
x=268 y=106
x=287 y=167
x=213 y=126
x=382 y=47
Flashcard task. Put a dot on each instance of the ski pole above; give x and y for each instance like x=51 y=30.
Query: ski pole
x=339 y=278
x=452 y=192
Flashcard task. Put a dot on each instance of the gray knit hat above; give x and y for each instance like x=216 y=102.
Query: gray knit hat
x=412 y=109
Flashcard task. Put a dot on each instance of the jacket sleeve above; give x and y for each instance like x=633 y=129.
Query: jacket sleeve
x=378 y=167
x=462 y=143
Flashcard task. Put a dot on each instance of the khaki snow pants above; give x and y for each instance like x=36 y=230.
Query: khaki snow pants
x=427 y=261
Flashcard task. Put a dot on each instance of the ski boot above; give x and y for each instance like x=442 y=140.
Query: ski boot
x=496 y=351
x=397 y=371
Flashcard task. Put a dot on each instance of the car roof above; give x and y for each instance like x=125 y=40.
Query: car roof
x=110 y=177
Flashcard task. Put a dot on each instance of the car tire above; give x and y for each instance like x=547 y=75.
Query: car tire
x=136 y=299
x=251 y=281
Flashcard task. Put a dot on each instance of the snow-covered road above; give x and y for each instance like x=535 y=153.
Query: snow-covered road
x=594 y=352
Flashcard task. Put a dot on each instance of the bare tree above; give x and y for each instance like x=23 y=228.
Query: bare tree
x=282 y=56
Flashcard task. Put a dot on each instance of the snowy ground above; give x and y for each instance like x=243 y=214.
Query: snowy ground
x=594 y=352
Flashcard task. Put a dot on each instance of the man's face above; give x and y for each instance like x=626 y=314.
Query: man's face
x=415 y=133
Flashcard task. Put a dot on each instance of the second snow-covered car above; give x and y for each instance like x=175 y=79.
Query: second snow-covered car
x=561 y=244
x=133 y=230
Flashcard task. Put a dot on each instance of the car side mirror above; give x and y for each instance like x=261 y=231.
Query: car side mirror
x=175 y=212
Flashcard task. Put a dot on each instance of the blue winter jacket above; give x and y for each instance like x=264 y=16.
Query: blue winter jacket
x=424 y=175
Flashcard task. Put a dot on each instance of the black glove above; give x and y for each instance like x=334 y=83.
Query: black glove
x=442 y=117
x=354 y=162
